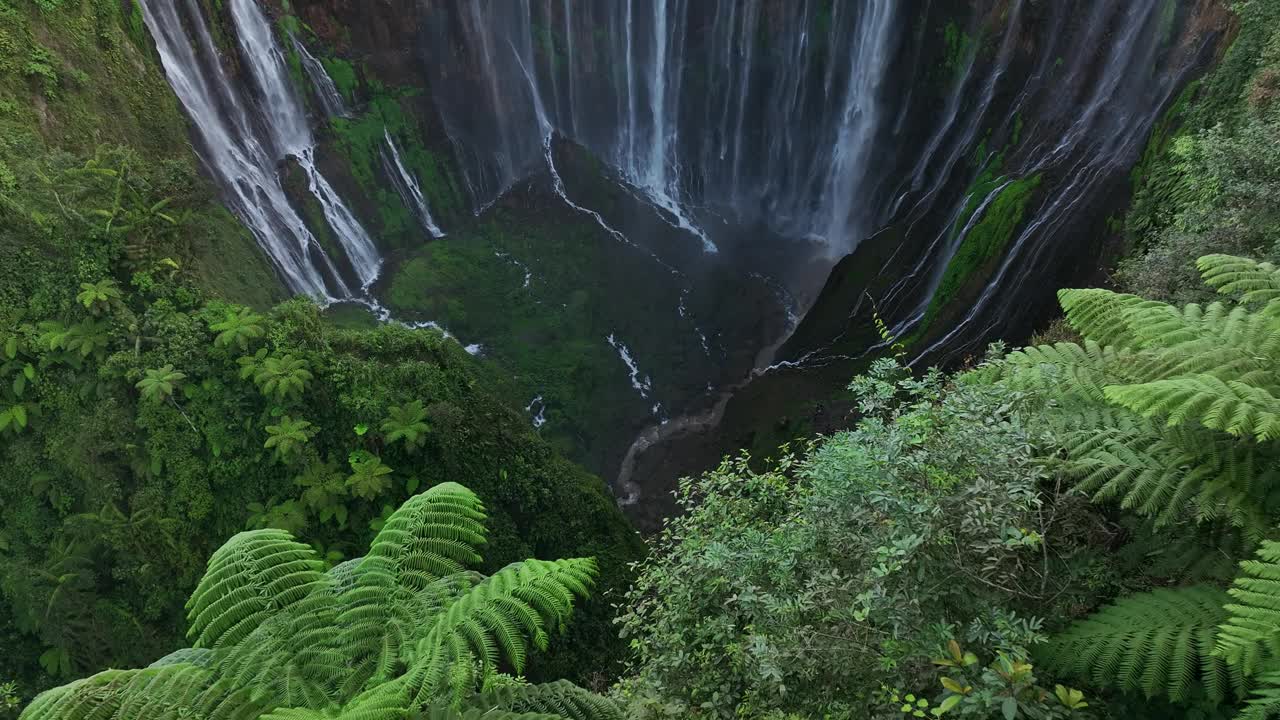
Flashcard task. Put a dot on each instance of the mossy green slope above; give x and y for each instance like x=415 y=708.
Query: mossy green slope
x=78 y=81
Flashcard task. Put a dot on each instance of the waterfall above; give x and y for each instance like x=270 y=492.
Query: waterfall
x=1106 y=111
x=857 y=127
x=291 y=134
x=811 y=122
x=243 y=139
x=330 y=99
x=690 y=124
x=234 y=151
x=407 y=185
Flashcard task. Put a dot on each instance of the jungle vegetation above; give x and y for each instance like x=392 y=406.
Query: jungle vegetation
x=266 y=513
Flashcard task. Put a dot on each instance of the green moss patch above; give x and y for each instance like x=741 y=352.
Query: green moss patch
x=985 y=240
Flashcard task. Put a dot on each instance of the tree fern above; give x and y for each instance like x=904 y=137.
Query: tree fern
x=404 y=632
x=1156 y=643
x=1252 y=631
x=1254 y=282
x=1170 y=412
x=240 y=328
x=251 y=578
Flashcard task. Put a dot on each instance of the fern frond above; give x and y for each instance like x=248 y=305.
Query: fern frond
x=1220 y=340
x=1066 y=370
x=174 y=691
x=497 y=619
x=1253 y=628
x=1155 y=643
x=1100 y=315
x=252 y=577
x=564 y=699
x=1198 y=554
x=1264 y=701
x=200 y=657
x=1231 y=406
x=1168 y=473
x=1254 y=282
x=432 y=535
x=294 y=658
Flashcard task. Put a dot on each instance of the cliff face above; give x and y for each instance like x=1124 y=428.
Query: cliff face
x=683 y=176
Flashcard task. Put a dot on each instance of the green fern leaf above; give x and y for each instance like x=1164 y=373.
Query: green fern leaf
x=1253 y=628
x=252 y=577
x=1233 y=407
x=1156 y=643
x=1255 y=282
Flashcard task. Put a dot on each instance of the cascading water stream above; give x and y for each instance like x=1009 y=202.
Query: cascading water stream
x=291 y=134
x=326 y=90
x=1102 y=136
x=407 y=185
x=242 y=149
x=234 y=151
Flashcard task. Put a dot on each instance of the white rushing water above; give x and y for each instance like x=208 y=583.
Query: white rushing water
x=642 y=385
x=407 y=185
x=243 y=139
x=291 y=133
x=234 y=151
x=539 y=418
x=782 y=135
x=326 y=90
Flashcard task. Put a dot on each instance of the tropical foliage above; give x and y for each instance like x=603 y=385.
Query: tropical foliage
x=1078 y=529
x=121 y=465
x=814 y=585
x=405 y=630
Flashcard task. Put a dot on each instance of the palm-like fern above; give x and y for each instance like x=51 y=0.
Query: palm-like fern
x=1156 y=643
x=369 y=477
x=240 y=328
x=288 y=436
x=407 y=423
x=1172 y=412
x=405 y=632
x=97 y=297
x=158 y=385
x=283 y=377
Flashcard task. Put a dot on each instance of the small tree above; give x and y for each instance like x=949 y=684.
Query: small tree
x=288 y=437
x=407 y=423
x=158 y=385
x=240 y=328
